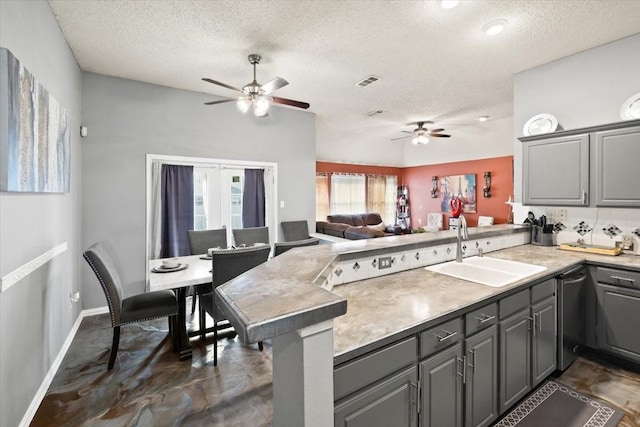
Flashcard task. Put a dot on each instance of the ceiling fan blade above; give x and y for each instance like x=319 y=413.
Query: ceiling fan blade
x=402 y=137
x=406 y=131
x=221 y=84
x=274 y=84
x=436 y=130
x=291 y=102
x=220 y=102
x=424 y=122
x=439 y=135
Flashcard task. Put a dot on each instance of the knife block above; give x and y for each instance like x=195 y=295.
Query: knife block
x=542 y=239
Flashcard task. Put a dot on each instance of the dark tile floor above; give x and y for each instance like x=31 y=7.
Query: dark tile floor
x=149 y=386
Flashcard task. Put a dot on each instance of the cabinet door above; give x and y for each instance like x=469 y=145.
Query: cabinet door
x=481 y=388
x=515 y=358
x=618 y=319
x=616 y=167
x=556 y=171
x=544 y=343
x=389 y=403
x=441 y=394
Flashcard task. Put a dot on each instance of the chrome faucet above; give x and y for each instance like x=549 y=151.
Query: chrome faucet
x=463 y=234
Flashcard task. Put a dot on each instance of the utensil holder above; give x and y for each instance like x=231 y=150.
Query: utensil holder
x=542 y=239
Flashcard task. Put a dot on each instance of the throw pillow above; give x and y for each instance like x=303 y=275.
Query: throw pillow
x=379 y=227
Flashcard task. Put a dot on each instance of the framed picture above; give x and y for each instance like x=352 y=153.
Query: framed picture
x=34 y=133
x=460 y=186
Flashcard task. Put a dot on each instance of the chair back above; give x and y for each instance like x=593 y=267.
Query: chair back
x=231 y=263
x=250 y=236
x=201 y=240
x=104 y=268
x=295 y=230
x=280 y=248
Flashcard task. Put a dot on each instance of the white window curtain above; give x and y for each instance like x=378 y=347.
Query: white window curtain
x=322 y=196
x=348 y=193
x=381 y=196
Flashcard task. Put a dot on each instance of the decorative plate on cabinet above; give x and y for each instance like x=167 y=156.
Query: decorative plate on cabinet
x=539 y=124
x=631 y=108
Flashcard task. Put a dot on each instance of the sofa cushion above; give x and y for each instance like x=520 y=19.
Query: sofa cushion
x=357 y=221
x=341 y=219
x=371 y=218
x=320 y=226
x=335 y=229
x=380 y=227
x=356 y=233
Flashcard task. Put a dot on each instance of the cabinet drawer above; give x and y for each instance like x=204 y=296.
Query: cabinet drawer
x=481 y=318
x=441 y=336
x=373 y=367
x=543 y=290
x=514 y=303
x=613 y=276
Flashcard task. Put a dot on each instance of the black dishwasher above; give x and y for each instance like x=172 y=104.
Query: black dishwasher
x=571 y=287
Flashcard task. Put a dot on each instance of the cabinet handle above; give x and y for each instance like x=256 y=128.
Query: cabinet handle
x=463 y=362
x=416 y=402
x=533 y=322
x=473 y=358
x=625 y=279
x=485 y=318
x=537 y=323
x=447 y=336
x=584 y=197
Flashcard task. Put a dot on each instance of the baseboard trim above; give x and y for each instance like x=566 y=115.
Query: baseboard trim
x=46 y=382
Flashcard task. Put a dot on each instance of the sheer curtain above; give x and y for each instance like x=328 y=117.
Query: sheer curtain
x=155 y=233
x=348 y=193
x=322 y=196
x=381 y=196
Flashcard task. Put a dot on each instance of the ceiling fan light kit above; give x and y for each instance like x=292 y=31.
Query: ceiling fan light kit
x=256 y=95
x=421 y=134
x=448 y=4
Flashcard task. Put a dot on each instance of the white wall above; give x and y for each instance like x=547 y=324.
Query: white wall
x=582 y=90
x=127 y=120
x=35 y=314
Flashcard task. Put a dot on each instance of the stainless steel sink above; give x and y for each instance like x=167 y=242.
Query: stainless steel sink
x=487 y=271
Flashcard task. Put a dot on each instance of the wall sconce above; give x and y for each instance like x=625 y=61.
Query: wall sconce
x=434 y=187
x=487 y=185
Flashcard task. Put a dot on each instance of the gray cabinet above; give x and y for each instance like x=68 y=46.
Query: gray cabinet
x=515 y=359
x=616 y=167
x=619 y=320
x=556 y=171
x=388 y=403
x=441 y=389
x=544 y=343
x=481 y=385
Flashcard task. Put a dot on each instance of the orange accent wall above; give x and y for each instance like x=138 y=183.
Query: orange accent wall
x=418 y=178
x=328 y=167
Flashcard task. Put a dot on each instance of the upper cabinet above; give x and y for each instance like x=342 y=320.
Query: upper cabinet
x=617 y=167
x=597 y=166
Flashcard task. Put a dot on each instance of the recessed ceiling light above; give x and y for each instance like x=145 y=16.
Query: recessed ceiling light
x=448 y=4
x=494 y=27
x=483 y=118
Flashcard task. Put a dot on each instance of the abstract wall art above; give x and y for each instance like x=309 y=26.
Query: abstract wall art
x=34 y=133
x=460 y=186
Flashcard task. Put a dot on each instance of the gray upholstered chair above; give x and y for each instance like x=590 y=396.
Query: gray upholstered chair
x=295 y=230
x=199 y=243
x=201 y=240
x=250 y=236
x=282 y=247
x=228 y=264
x=136 y=308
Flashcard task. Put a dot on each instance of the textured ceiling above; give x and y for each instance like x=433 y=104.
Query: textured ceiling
x=434 y=64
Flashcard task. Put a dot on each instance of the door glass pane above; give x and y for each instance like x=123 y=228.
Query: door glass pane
x=199 y=199
x=236 y=200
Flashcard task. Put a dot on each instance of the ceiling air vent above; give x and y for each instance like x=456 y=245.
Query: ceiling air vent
x=367 y=81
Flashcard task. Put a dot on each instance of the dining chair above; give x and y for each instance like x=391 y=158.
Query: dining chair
x=136 y=308
x=199 y=243
x=282 y=247
x=295 y=230
x=251 y=236
x=228 y=264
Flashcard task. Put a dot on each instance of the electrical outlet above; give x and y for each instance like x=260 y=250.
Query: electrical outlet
x=562 y=215
x=74 y=296
x=384 y=262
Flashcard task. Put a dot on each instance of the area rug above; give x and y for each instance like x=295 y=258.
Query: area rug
x=554 y=405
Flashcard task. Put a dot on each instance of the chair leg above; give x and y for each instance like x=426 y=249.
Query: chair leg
x=260 y=346
x=193 y=300
x=114 y=346
x=203 y=324
x=215 y=343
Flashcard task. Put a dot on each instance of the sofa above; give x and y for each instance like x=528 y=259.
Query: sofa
x=356 y=226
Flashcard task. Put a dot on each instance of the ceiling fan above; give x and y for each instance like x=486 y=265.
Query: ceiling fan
x=421 y=134
x=256 y=95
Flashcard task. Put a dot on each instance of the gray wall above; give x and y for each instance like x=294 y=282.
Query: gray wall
x=581 y=90
x=127 y=120
x=35 y=314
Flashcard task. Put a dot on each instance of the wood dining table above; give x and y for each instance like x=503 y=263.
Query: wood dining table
x=197 y=272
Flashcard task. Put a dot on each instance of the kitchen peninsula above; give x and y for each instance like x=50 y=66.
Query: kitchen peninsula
x=386 y=316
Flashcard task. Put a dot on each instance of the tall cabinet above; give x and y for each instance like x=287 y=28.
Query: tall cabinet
x=594 y=166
